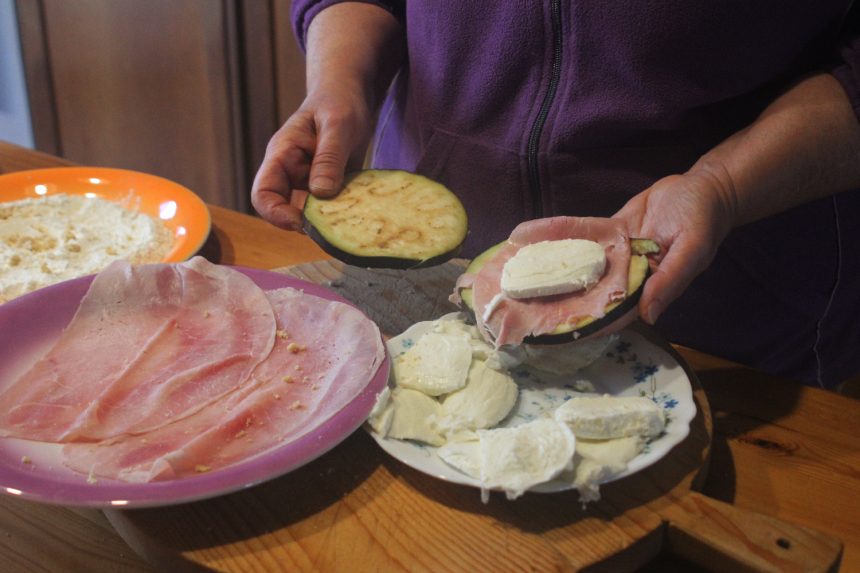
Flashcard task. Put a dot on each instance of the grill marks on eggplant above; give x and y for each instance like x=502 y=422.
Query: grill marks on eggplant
x=390 y=219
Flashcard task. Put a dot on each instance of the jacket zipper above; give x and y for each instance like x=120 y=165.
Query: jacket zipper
x=543 y=112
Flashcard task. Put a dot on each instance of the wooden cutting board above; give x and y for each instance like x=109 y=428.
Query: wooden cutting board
x=357 y=509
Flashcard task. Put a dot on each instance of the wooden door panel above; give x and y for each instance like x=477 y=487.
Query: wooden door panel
x=148 y=85
x=191 y=90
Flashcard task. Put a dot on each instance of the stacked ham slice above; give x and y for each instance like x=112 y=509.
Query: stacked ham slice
x=168 y=370
x=510 y=321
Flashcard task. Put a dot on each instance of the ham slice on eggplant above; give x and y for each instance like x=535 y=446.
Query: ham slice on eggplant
x=512 y=321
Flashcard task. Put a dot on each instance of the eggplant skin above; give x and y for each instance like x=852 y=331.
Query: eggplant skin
x=377 y=262
x=639 y=271
x=388 y=219
x=613 y=313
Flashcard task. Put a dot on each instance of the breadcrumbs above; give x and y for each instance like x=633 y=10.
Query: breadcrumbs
x=45 y=240
x=295 y=348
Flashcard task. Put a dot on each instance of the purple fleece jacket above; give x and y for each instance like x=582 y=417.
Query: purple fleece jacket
x=530 y=109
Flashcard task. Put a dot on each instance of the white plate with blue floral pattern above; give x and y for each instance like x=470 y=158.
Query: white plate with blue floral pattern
x=631 y=366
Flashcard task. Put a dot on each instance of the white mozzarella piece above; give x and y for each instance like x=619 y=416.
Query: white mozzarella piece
x=437 y=364
x=598 y=461
x=455 y=324
x=382 y=413
x=553 y=267
x=515 y=459
x=615 y=453
x=463 y=455
x=588 y=476
x=506 y=357
x=413 y=417
x=489 y=395
x=607 y=417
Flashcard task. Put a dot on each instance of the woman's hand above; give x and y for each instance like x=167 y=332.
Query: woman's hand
x=353 y=51
x=326 y=137
x=805 y=145
x=688 y=216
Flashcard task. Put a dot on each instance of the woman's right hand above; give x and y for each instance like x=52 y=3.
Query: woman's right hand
x=327 y=136
x=353 y=52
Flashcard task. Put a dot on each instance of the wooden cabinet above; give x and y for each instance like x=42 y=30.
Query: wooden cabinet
x=187 y=89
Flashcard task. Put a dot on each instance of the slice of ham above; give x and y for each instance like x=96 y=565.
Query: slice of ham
x=325 y=355
x=510 y=321
x=148 y=345
x=465 y=280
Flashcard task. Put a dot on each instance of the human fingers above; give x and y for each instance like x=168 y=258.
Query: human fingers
x=272 y=192
x=685 y=215
x=684 y=259
x=632 y=214
x=341 y=136
x=276 y=210
x=284 y=168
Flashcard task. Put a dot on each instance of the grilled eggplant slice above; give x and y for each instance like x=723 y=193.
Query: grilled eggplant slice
x=638 y=271
x=388 y=219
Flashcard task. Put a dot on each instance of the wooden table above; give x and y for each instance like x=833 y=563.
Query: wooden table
x=778 y=448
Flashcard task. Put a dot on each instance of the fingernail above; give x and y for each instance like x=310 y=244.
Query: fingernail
x=654 y=311
x=322 y=183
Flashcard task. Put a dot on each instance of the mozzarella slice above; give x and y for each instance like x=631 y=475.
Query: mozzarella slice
x=598 y=461
x=515 y=459
x=455 y=324
x=382 y=413
x=553 y=267
x=413 y=417
x=489 y=395
x=607 y=417
x=464 y=455
x=437 y=364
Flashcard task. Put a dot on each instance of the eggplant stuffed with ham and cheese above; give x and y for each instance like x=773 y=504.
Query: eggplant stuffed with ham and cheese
x=540 y=310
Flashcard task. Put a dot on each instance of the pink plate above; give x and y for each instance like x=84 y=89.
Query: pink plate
x=31 y=323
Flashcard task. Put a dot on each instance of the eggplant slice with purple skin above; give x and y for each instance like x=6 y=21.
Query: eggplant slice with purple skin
x=639 y=271
x=388 y=219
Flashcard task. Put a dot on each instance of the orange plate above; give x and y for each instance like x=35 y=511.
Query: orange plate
x=183 y=212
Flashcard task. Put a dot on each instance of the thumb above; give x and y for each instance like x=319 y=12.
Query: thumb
x=329 y=163
x=682 y=263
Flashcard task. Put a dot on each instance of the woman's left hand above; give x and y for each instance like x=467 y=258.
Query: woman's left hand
x=688 y=216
